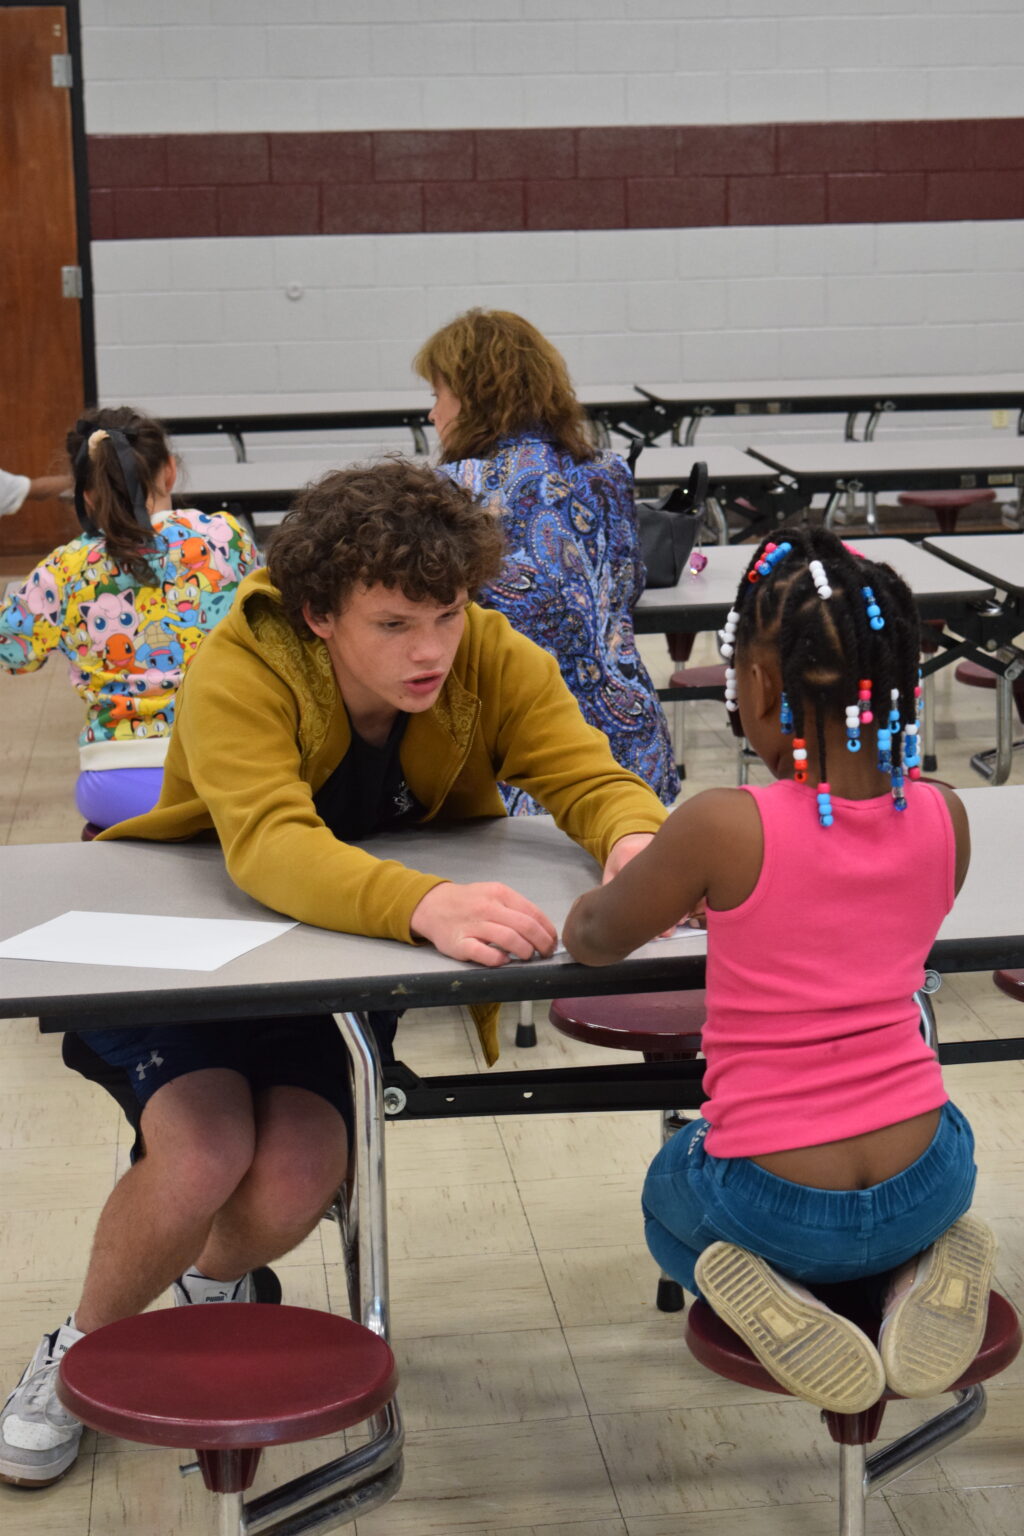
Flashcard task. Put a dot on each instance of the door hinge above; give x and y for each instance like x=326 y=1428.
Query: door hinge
x=71 y=282
x=60 y=70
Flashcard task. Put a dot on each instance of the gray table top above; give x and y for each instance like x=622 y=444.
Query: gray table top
x=995 y=557
x=269 y=411
x=702 y=601
x=311 y=969
x=948 y=391
x=726 y=465
x=277 y=477
x=968 y=462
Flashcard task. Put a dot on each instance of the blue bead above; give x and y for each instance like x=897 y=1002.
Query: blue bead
x=877 y=623
x=853 y=745
x=827 y=821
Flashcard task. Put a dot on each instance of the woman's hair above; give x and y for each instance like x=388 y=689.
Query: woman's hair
x=100 y=470
x=829 y=645
x=393 y=523
x=507 y=378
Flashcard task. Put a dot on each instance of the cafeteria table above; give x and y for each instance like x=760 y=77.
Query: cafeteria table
x=311 y=969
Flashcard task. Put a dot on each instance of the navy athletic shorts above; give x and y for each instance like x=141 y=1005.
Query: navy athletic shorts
x=301 y=1051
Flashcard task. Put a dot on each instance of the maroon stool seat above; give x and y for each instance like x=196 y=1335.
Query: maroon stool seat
x=1010 y=982
x=947 y=505
x=717 y=1347
x=699 y=683
x=89 y=831
x=700 y=677
x=664 y=1026
x=226 y=1381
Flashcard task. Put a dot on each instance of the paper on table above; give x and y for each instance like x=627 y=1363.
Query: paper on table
x=680 y=931
x=131 y=938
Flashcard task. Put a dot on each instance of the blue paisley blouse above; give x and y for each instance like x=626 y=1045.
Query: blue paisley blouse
x=571 y=577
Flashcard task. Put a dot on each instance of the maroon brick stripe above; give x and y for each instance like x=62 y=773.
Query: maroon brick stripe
x=433 y=181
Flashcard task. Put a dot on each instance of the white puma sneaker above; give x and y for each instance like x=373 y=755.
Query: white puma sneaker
x=39 y=1438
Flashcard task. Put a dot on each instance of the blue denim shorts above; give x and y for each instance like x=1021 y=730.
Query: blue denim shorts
x=692 y=1199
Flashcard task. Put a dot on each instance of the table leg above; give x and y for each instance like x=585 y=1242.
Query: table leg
x=371 y=1189
x=1004 y=729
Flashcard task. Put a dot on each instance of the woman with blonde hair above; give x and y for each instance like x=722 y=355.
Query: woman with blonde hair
x=513 y=433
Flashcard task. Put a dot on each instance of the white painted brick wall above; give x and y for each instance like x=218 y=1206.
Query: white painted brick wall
x=211 y=316
x=208 y=65
x=200 y=316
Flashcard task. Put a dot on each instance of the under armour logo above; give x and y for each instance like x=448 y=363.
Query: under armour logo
x=154 y=1061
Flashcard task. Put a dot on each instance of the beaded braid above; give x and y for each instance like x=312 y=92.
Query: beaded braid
x=806 y=589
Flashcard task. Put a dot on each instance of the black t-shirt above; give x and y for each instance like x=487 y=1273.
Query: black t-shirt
x=367 y=792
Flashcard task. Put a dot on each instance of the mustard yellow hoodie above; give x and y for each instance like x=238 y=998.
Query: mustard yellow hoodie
x=261 y=726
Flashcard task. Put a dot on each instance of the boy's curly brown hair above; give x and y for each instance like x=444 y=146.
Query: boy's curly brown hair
x=392 y=523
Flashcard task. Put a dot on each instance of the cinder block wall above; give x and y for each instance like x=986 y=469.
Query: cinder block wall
x=290 y=197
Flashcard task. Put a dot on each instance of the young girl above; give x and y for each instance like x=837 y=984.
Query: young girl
x=127 y=603
x=828 y=1149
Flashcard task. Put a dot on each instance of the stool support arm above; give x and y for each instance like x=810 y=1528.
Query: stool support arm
x=338 y=1508
x=927 y=1439
x=348 y=1474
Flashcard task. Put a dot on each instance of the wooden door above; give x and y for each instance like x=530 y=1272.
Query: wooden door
x=41 y=379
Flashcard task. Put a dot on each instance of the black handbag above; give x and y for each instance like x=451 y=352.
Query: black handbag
x=669 y=528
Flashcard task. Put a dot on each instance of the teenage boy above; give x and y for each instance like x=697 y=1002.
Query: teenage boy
x=353 y=687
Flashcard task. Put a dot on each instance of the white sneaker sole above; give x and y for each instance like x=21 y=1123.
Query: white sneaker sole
x=816 y=1354
x=20 y=1476
x=935 y=1330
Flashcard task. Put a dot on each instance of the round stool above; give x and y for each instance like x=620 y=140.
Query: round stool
x=226 y=1381
x=717 y=1347
x=89 y=831
x=664 y=1026
x=947 y=505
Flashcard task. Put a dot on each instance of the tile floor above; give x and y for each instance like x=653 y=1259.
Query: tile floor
x=544 y=1395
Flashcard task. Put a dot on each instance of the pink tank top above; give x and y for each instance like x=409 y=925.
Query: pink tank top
x=812 y=1032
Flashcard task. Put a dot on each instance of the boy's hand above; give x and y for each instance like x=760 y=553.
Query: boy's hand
x=485 y=922
x=625 y=849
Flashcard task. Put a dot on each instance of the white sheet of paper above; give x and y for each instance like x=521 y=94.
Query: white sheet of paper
x=680 y=931
x=131 y=938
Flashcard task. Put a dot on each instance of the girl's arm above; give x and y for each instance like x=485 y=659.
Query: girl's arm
x=31 y=619
x=709 y=847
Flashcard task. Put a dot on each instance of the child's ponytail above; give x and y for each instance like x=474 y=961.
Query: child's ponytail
x=116 y=456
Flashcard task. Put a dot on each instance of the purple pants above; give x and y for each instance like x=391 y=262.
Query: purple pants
x=110 y=796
